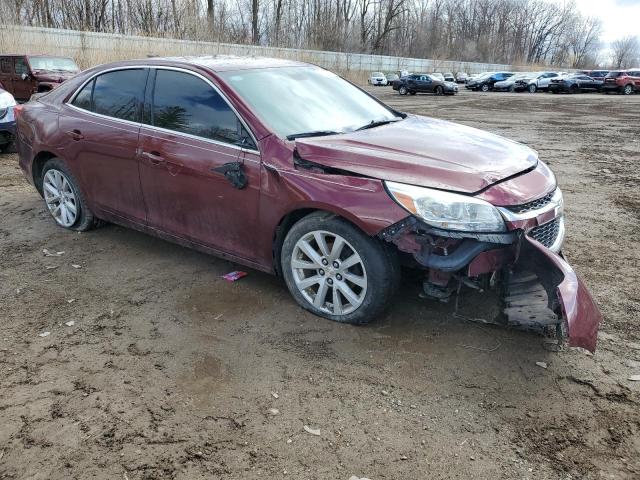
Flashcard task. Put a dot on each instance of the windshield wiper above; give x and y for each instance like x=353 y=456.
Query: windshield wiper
x=317 y=133
x=375 y=123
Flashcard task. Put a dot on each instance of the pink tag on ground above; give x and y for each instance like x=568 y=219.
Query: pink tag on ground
x=233 y=276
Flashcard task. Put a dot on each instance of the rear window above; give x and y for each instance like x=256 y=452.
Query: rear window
x=614 y=74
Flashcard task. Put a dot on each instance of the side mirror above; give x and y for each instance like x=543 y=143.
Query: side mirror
x=24 y=76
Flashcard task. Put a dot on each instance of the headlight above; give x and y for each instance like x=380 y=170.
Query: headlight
x=446 y=210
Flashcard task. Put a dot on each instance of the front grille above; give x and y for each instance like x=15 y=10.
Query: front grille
x=533 y=205
x=546 y=234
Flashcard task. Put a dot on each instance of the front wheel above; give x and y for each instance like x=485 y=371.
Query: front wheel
x=336 y=271
x=627 y=90
x=402 y=90
x=484 y=88
x=532 y=88
x=64 y=200
x=438 y=90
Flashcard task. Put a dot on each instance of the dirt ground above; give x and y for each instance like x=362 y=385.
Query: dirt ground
x=170 y=372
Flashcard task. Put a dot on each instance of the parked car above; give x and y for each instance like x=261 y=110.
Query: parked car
x=392 y=77
x=331 y=189
x=508 y=84
x=597 y=74
x=485 y=82
x=622 y=81
x=7 y=120
x=424 y=83
x=461 y=77
x=536 y=81
x=448 y=77
x=377 y=78
x=24 y=75
x=436 y=76
x=575 y=83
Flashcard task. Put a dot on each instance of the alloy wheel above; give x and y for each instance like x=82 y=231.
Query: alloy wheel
x=532 y=89
x=403 y=90
x=628 y=90
x=60 y=198
x=329 y=273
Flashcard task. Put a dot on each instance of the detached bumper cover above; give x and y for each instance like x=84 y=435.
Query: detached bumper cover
x=579 y=312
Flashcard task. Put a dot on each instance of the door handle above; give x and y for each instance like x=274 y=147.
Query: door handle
x=154 y=158
x=75 y=134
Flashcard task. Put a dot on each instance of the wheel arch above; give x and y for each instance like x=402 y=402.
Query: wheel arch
x=37 y=165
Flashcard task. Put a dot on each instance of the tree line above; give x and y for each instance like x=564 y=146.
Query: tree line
x=514 y=32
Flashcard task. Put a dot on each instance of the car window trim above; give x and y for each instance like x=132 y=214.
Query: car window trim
x=153 y=127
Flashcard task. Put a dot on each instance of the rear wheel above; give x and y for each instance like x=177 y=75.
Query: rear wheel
x=63 y=197
x=336 y=271
x=412 y=93
x=627 y=90
x=438 y=90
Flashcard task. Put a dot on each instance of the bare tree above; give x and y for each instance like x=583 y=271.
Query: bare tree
x=625 y=51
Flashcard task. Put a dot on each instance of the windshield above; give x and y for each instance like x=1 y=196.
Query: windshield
x=518 y=76
x=292 y=100
x=53 y=64
x=377 y=74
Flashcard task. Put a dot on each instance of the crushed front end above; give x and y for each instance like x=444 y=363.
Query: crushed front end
x=523 y=261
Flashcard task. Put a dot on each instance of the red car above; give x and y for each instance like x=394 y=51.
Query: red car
x=622 y=81
x=24 y=75
x=288 y=168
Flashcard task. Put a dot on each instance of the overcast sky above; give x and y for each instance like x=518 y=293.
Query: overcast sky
x=619 y=17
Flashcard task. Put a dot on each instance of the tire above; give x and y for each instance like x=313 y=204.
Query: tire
x=627 y=90
x=412 y=93
x=484 y=88
x=8 y=148
x=574 y=89
x=532 y=88
x=83 y=219
x=374 y=266
x=512 y=89
x=403 y=90
x=438 y=90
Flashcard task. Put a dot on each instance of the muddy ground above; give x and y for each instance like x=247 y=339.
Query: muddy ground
x=169 y=371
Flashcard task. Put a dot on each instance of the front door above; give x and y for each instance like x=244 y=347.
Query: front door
x=100 y=128
x=22 y=87
x=198 y=179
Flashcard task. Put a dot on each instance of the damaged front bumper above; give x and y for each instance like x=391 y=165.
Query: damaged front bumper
x=539 y=289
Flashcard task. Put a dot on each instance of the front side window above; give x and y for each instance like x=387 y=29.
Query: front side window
x=185 y=103
x=20 y=66
x=291 y=100
x=119 y=94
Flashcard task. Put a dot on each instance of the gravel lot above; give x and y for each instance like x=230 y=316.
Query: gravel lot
x=170 y=372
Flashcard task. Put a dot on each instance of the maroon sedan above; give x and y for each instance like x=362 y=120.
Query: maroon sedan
x=288 y=168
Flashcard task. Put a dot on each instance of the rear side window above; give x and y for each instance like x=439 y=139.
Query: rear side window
x=185 y=103
x=5 y=65
x=118 y=94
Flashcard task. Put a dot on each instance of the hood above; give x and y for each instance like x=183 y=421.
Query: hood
x=423 y=151
x=53 y=76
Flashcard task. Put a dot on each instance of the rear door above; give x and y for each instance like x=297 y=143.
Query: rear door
x=101 y=125
x=199 y=165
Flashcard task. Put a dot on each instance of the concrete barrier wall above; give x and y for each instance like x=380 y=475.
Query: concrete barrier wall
x=91 y=48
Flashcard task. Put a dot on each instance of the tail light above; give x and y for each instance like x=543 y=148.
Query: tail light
x=17 y=111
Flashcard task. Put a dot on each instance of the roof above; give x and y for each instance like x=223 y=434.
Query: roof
x=218 y=63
